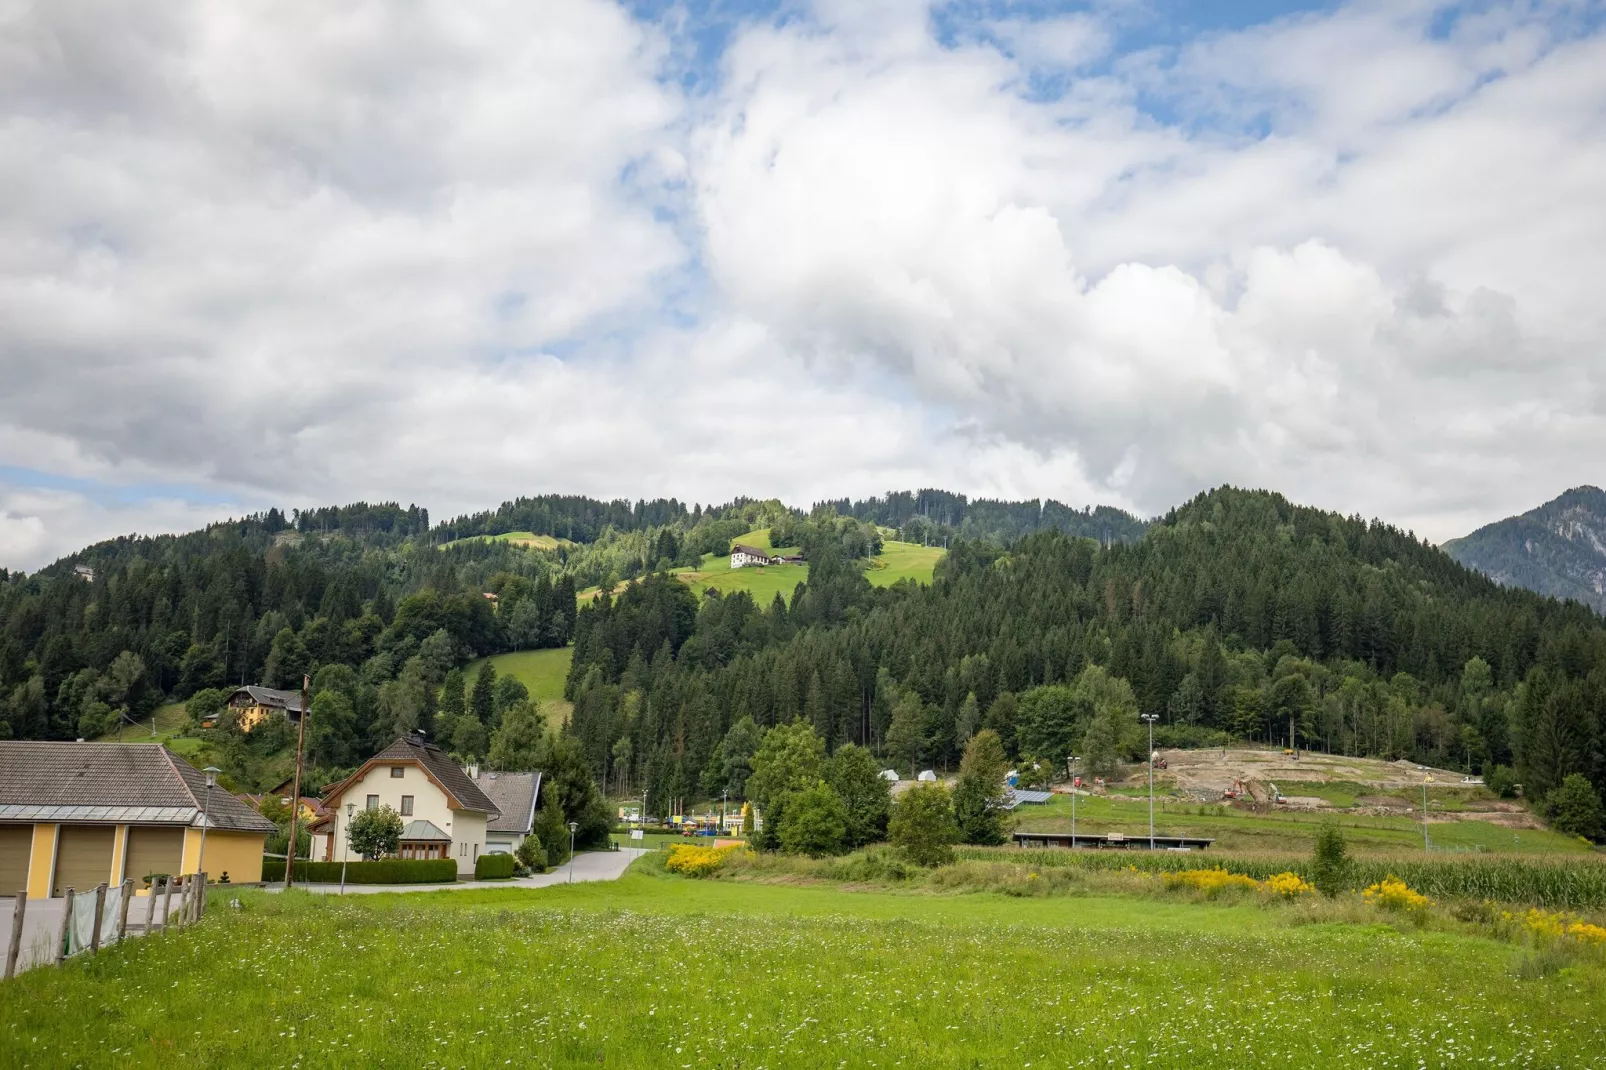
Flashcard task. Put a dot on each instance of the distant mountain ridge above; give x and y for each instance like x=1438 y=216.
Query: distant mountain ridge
x=1558 y=549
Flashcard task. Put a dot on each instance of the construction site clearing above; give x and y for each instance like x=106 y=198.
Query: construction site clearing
x=1269 y=780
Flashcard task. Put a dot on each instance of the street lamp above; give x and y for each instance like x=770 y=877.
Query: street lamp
x=1149 y=719
x=1070 y=769
x=211 y=772
x=345 y=855
x=573 y=825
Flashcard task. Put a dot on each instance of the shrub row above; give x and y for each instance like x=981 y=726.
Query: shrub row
x=1555 y=884
x=384 y=871
x=493 y=867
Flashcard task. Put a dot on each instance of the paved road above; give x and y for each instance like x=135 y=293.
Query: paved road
x=588 y=866
x=43 y=923
x=42 y=926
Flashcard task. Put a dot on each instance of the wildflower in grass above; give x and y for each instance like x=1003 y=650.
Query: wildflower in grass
x=1286 y=886
x=1558 y=926
x=1393 y=894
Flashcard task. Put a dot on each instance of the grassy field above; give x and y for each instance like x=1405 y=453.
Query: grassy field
x=655 y=971
x=542 y=672
x=904 y=561
x=527 y=539
x=1289 y=830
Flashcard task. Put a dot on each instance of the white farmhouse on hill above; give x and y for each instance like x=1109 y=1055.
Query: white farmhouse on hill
x=742 y=554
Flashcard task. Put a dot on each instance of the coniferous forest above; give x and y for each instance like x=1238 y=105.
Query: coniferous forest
x=1238 y=616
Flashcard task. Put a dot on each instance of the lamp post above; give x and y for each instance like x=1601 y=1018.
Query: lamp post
x=211 y=772
x=345 y=854
x=1149 y=719
x=724 y=802
x=1425 y=781
x=573 y=826
x=1070 y=769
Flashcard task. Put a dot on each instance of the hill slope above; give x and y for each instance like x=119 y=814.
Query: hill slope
x=1558 y=549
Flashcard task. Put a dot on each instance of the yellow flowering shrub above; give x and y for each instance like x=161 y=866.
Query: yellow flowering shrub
x=1391 y=893
x=1211 y=882
x=1286 y=886
x=1556 y=926
x=693 y=861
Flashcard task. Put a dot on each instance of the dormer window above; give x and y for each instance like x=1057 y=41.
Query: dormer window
x=397 y=771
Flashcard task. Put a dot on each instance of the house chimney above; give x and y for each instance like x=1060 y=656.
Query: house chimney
x=473 y=770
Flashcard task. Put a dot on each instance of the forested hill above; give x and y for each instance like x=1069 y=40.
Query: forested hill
x=1558 y=549
x=1234 y=614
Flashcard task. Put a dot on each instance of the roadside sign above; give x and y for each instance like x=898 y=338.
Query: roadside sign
x=636 y=834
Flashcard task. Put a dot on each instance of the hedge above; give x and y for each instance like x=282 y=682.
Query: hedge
x=384 y=871
x=493 y=867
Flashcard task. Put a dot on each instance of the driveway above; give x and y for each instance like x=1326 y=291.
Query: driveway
x=588 y=866
x=42 y=926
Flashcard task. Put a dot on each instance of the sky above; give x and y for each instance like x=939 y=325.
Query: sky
x=297 y=253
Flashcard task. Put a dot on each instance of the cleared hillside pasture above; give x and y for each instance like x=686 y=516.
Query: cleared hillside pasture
x=904 y=561
x=169 y=719
x=542 y=672
x=527 y=539
x=665 y=971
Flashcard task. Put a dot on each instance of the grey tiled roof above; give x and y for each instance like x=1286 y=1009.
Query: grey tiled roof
x=514 y=794
x=288 y=701
x=424 y=831
x=115 y=781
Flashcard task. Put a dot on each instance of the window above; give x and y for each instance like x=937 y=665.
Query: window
x=373 y=802
x=397 y=772
x=407 y=806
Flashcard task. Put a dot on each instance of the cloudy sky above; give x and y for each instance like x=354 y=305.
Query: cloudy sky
x=297 y=253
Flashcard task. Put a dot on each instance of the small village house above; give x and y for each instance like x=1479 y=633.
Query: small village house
x=516 y=795
x=82 y=814
x=444 y=812
x=253 y=704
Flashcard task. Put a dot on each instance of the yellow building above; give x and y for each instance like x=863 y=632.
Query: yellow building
x=253 y=704
x=75 y=815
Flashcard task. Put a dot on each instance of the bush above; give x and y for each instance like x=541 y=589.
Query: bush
x=1212 y=882
x=384 y=871
x=1502 y=781
x=695 y=861
x=531 y=854
x=923 y=826
x=493 y=867
x=814 y=823
x=1330 y=868
x=1393 y=894
x=375 y=833
x=1189 y=737
x=1574 y=808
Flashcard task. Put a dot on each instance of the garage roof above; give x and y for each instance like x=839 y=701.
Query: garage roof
x=138 y=783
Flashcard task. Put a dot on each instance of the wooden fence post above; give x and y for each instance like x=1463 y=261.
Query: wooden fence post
x=66 y=923
x=181 y=915
x=100 y=908
x=122 y=918
x=200 y=906
x=159 y=914
x=19 y=914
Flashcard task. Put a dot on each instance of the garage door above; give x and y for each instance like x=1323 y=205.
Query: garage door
x=153 y=850
x=15 y=843
x=83 y=857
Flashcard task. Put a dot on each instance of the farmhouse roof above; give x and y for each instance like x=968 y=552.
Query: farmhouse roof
x=750 y=551
x=461 y=791
x=288 y=701
x=514 y=794
x=133 y=783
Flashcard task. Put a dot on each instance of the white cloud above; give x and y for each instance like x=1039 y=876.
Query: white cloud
x=292 y=254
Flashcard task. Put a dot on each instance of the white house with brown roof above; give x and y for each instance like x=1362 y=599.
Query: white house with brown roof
x=444 y=812
x=75 y=815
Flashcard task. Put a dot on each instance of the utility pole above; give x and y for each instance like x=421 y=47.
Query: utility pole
x=1149 y=719
x=1425 y=845
x=1070 y=768
x=295 y=800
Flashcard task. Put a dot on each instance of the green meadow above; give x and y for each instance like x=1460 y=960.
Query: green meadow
x=527 y=539
x=655 y=970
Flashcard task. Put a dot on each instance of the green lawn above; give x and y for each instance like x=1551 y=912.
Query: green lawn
x=904 y=561
x=543 y=672
x=169 y=718
x=654 y=971
x=1291 y=830
x=528 y=539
